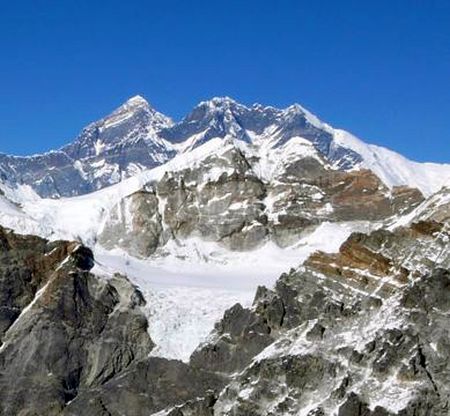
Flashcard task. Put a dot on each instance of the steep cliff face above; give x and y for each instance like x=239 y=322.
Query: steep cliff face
x=63 y=329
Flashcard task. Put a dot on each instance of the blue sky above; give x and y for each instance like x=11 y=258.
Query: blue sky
x=379 y=69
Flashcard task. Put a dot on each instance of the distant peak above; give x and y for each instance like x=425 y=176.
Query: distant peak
x=297 y=109
x=137 y=101
x=134 y=106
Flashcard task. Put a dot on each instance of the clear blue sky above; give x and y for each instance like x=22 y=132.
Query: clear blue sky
x=380 y=69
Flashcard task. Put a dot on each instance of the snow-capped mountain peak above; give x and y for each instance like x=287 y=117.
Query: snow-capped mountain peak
x=134 y=105
x=117 y=146
x=136 y=136
x=140 y=111
x=298 y=110
x=133 y=120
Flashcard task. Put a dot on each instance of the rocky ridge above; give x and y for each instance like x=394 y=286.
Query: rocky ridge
x=361 y=332
x=221 y=198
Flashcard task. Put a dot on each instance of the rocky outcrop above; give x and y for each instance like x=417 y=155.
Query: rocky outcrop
x=355 y=356
x=135 y=224
x=145 y=388
x=361 y=332
x=238 y=337
x=227 y=208
x=383 y=261
x=220 y=198
x=63 y=328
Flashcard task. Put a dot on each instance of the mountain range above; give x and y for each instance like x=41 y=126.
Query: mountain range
x=244 y=261
x=136 y=137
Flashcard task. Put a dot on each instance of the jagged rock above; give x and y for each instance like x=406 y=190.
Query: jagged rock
x=147 y=387
x=353 y=406
x=269 y=305
x=135 y=225
x=239 y=336
x=351 y=348
x=70 y=330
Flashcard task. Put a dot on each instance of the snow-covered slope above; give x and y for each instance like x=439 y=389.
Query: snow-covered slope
x=179 y=287
x=394 y=169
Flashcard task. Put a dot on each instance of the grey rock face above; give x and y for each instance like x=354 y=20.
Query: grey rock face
x=220 y=198
x=344 y=344
x=147 y=387
x=135 y=224
x=228 y=209
x=238 y=338
x=325 y=373
x=63 y=328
